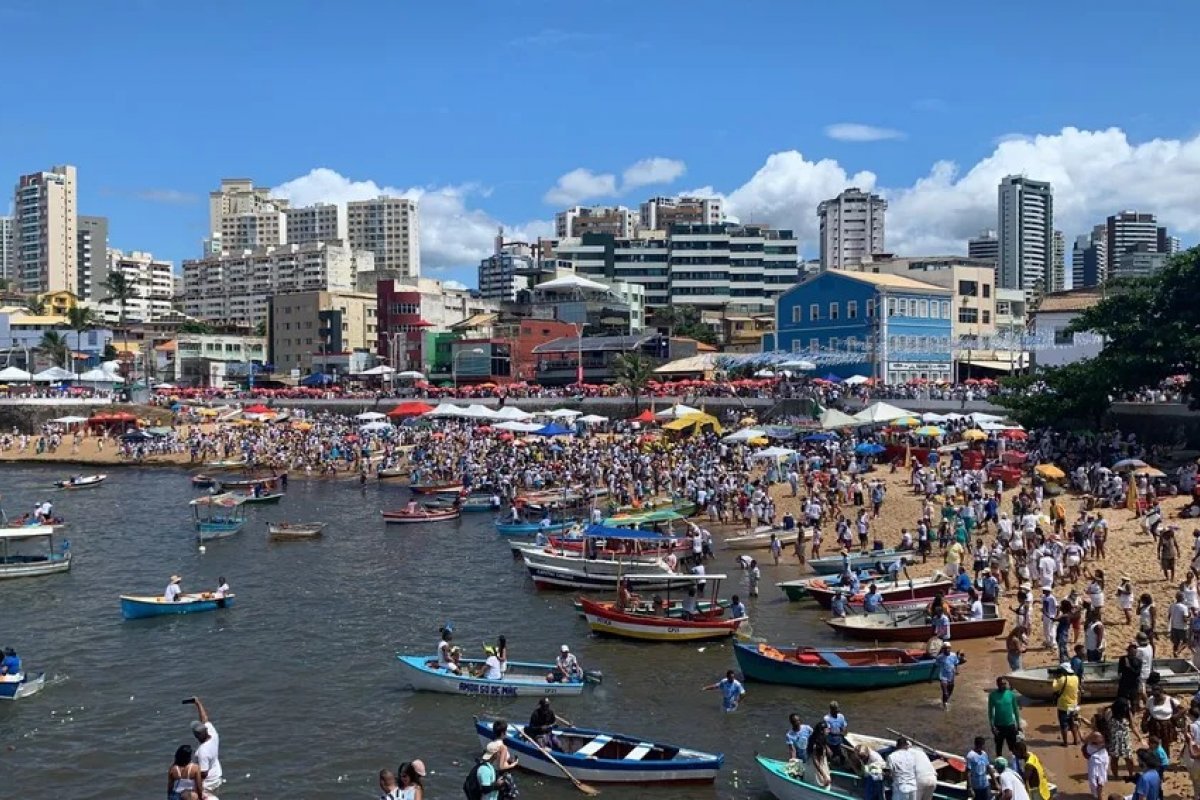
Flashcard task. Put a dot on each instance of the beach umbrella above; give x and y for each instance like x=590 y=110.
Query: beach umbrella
x=928 y=430
x=1150 y=472
x=257 y=408
x=774 y=452
x=819 y=437
x=907 y=422
x=411 y=374
x=15 y=375
x=1127 y=464
x=1015 y=434
x=857 y=380
x=512 y=413
x=377 y=425
x=1049 y=472
x=592 y=419
x=562 y=413
x=553 y=429
x=69 y=420
x=869 y=449
x=646 y=417
x=676 y=411
x=745 y=435
x=411 y=409
x=370 y=416
x=974 y=435
x=831 y=378
x=929 y=417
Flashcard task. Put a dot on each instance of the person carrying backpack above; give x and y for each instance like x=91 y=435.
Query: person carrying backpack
x=482 y=781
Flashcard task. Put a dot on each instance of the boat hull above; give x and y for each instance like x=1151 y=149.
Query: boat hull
x=32 y=569
x=531 y=528
x=787 y=787
x=689 y=766
x=89 y=482
x=404 y=518
x=435 y=488
x=756 y=666
x=1177 y=675
x=823 y=594
x=547 y=577
x=211 y=531
x=135 y=607
x=263 y=500
x=605 y=620
x=976 y=629
x=530 y=682
x=28 y=685
x=834 y=565
x=294 y=533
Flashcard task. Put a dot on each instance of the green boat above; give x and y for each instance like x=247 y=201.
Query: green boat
x=798 y=589
x=835 y=669
x=263 y=499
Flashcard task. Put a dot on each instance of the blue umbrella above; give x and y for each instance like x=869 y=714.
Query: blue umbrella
x=819 y=437
x=833 y=378
x=553 y=429
x=868 y=449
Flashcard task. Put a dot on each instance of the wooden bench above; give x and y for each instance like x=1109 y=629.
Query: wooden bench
x=832 y=659
x=639 y=752
x=594 y=746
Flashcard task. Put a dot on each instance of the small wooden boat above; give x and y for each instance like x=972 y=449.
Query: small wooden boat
x=474 y=503
x=250 y=483
x=228 y=463
x=813 y=668
x=81 y=482
x=548 y=576
x=673 y=609
x=608 y=619
x=605 y=757
x=294 y=531
x=521 y=679
x=872 y=559
x=140 y=606
x=786 y=781
x=822 y=591
x=435 y=488
x=903 y=606
x=203 y=481
x=218 y=516
x=23 y=684
x=531 y=528
x=31 y=551
x=758 y=540
x=393 y=473
x=263 y=499
x=1177 y=675
x=416 y=517
x=797 y=589
x=915 y=626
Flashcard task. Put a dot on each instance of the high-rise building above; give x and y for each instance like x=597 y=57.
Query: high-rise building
x=1089 y=259
x=616 y=221
x=238 y=197
x=1130 y=230
x=852 y=228
x=1167 y=244
x=44 y=224
x=1058 y=265
x=1026 y=232
x=660 y=213
x=324 y=222
x=152 y=280
x=985 y=246
x=8 y=258
x=388 y=227
x=505 y=272
x=91 y=237
x=251 y=230
x=1139 y=261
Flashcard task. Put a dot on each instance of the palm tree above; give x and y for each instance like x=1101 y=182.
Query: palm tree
x=120 y=291
x=80 y=319
x=633 y=371
x=55 y=347
x=35 y=306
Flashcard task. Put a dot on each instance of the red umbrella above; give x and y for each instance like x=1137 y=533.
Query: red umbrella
x=645 y=416
x=257 y=408
x=1014 y=434
x=412 y=409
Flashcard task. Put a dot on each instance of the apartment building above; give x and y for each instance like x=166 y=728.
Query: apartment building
x=852 y=228
x=8 y=257
x=985 y=246
x=45 y=243
x=324 y=222
x=389 y=228
x=579 y=220
x=1025 y=214
x=91 y=243
x=320 y=331
x=239 y=197
x=152 y=280
x=660 y=213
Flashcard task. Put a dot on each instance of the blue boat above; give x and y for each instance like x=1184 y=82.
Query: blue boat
x=606 y=757
x=23 y=684
x=521 y=679
x=141 y=606
x=531 y=528
x=218 y=516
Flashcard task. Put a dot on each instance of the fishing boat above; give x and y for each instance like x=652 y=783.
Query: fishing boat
x=555 y=577
x=606 y=619
x=673 y=608
x=23 y=684
x=473 y=503
x=32 y=551
x=393 y=473
x=203 y=481
x=140 y=606
x=251 y=483
x=822 y=591
x=228 y=463
x=797 y=589
x=858 y=606
x=873 y=559
x=915 y=626
x=269 y=498
x=419 y=516
x=786 y=781
x=521 y=679
x=218 y=516
x=606 y=757
x=758 y=540
x=81 y=482
x=294 y=531
x=643 y=520
x=531 y=528
x=1176 y=675
x=435 y=488
x=813 y=668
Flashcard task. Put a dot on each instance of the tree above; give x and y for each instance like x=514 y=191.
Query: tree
x=192 y=326
x=1079 y=392
x=683 y=321
x=633 y=371
x=35 y=306
x=80 y=319
x=120 y=291
x=54 y=346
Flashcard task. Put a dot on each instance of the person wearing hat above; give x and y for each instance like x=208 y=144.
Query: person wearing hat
x=1096 y=753
x=486 y=774
x=207 y=754
x=1066 y=693
x=566 y=667
x=1012 y=787
x=174 y=589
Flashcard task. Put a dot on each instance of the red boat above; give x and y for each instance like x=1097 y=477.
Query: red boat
x=823 y=591
x=415 y=517
x=605 y=618
x=915 y=626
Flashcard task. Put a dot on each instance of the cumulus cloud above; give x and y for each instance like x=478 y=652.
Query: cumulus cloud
x=457 y=286
x=650 y=171
x=857 y=132
x=451 y=233
x=579 y=185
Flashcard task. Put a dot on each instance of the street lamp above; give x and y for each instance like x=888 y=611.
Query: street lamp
x=454 y=362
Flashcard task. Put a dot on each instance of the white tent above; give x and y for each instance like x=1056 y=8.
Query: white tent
x=744 y=435
x=832 y=418
x=14 y=374
x=377 y=425
x=593 y=419
x=979 y=418
x=370 y=416
x=68 y=420
x=99 y=376
x=512 y=413
x=518 y=427
x=156 y=386
x=677 y=411
x=477 y=411
x=774 y=452
x=411 y=374
x=881 y=412
x=856 y=380
x=562 y=413
x=800 y=365
x=53 y=374
x=930 y=417
x=382 y=369
x=446 y=410
x=764 y=373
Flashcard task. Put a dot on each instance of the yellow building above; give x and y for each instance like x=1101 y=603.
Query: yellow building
x=58 y=303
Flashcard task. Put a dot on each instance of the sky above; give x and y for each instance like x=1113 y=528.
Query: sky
x=501 y=113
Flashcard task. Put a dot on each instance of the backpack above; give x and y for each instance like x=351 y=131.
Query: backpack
x=472 y=788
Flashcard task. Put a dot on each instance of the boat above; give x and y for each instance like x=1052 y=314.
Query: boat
x=914 y=626
x=31 y=551
x=786 y=781
x=294 y=531
x=546 y=576
x=250 y=483
x=671 y=609
x=858 y=606
x=218 y=516
x=228 y=463
x=797 y=589
x=203 y=481
x=871 y=559
x=606 y=757
x=758 y=540
x=415 y=517
x=822 y=591
x=531 y=528
x=820 y=668
x=435 y=488
x=23 y=684
x=521 y=679
x=470 y=504
x=141 y=606
x=393 y=473
x=263 y=499
x=1177 y=675
x=606 y=619
x=644 y=519
x=81 y=482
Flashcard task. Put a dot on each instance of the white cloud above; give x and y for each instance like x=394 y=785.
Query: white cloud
x=650 y=171
x=457 y=286
x=452 y=234
x=857 y=132
x=579 y=185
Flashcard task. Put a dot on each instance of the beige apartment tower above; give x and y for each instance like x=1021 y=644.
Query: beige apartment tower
x=44 y=239
x=388 y=227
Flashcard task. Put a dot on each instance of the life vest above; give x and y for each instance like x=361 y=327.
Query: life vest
x=1042 y=790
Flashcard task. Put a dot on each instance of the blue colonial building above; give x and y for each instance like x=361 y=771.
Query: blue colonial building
x=887 y=327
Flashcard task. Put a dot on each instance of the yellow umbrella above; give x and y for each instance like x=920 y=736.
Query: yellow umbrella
x=974 y=435
x=908 y=422
x=207 y=412
x=761 y=440
x=1150 y=472
x=302 y=426
x=928 y=430
x=1049 y=472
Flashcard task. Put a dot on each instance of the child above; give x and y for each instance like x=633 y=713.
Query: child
x=1155 y=745
x=1125 y=599
x=1096 y=753
x=388 y=787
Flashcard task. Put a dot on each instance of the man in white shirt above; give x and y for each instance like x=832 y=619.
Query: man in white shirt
x=926 y=775
x=902 y=764
x=1047 y=567
x=207 y=753
x=174 y=590
x=1012 y=785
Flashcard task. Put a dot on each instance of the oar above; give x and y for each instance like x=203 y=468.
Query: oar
x=580 y=785
x=954 y=761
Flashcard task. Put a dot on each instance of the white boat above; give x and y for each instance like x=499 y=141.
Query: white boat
x=758 y=540
x=553 y=577
x=546 y=557
x=1177 y=675
x=521 y=679
x=80 y=482
x=31 y=551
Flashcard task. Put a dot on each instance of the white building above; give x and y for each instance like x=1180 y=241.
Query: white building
x=578 y=220
x=215 y=359
x=21 y=335
x=1026 y=231
x=388 y=227
x=505 y=272
x=44 y=230
x=239 y=197
x=852 y=228
x=324 y=222
x=8 y=256
x=1054 y=345
x=660 y=213
x=153 y=282
x=265 y=227
x=234 y=288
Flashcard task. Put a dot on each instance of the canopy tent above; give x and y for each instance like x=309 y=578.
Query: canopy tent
x=53 y=375
x=676 y=411
x=829 y=377
x=978 y=417
x=511 y=413
x=317 y=379
x=411 y=374
x=370 y=416
x=881 y=412
x=377 y=425
x=477 y=411
x=646 y=417
x=382 y=369
x=257 y=408
x=929 y=417
x=412 y=409
x=798 y=364
x=14 y=374
x=445 y=410
x=100 y=376
x=516 y=426
x=553 y=429
x=819 y=437
x=697 y=420
x=774 y=452
x=832 y=418
x=69 y=420
x=603 y=532
x=592 y=419
x=857 y=380
x=745 y=435
x=562 y=413
x=869 y=449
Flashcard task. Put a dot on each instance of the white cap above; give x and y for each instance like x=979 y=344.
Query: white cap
x=566 y=649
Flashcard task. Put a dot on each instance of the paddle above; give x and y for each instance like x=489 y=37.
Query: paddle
x=954 y=761
x=580 y=785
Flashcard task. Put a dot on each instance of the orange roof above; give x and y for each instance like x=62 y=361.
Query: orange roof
x=132 y=347
x=168 y=346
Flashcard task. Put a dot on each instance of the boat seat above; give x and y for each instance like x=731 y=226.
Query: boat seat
x=594 y=746
x=639 y=752
x=832 y=659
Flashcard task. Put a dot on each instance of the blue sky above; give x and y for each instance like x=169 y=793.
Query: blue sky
x=478 y=108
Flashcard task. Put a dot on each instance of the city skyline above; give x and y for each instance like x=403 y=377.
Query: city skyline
x=453 y=134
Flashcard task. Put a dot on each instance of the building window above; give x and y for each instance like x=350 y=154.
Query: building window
x=987 y=290
x=903 y=306
x=968 y=315
x=796 y=318
x=871 y=309
x=923 y=305
x=814 y=312
x=987 y=317
x=814 y=345
x=851 y=309
x=968 y=288
x=891 y=306
x=851 y=343
x=833 y=310
x=796 y=345
x=1063 y=337
x=945 y=309
x=833 y=343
